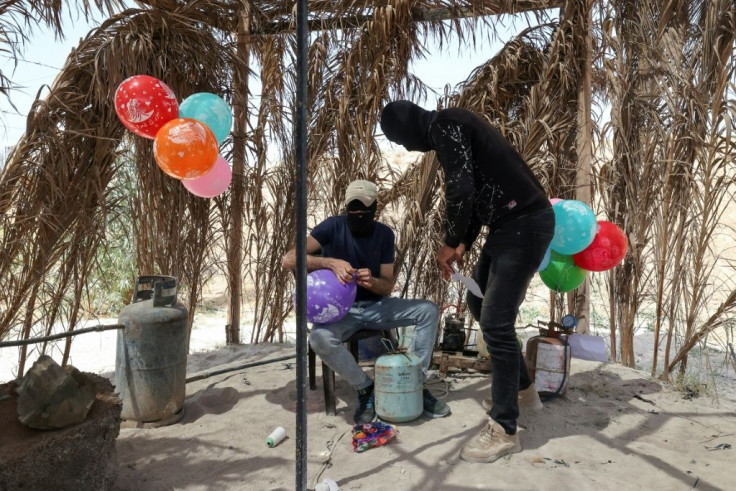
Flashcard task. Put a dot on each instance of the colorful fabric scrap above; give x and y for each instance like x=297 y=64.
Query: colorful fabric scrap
x=370 y=435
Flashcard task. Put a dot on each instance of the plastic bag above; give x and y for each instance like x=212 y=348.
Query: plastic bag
x=587 y=347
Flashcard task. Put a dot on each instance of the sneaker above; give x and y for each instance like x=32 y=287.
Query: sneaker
x=491 y=444
x=433 y=407
x=366 y=412
x=529 y=400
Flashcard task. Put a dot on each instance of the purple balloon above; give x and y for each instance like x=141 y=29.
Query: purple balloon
x=328 y=300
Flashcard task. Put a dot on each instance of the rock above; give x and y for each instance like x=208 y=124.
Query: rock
x=51 y=397
x=78 y=457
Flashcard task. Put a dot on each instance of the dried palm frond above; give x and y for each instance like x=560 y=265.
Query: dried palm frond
x=352 y=74
x=667 y=181
x=18 y=19
x=662 y=172
x=56 y=182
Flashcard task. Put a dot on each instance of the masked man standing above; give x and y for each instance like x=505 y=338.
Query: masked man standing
x=486 y=183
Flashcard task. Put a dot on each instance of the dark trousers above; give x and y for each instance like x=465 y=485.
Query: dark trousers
x=508 y=261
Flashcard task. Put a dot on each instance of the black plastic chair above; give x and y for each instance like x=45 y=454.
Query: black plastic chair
x=328 y=375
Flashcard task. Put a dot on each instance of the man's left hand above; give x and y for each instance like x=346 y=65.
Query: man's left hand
x=364 y=278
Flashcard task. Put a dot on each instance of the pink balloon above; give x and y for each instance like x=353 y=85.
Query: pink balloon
x=212 y=184
x=552 y=201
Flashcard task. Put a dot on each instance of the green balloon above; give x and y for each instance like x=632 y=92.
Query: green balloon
x=562 y=274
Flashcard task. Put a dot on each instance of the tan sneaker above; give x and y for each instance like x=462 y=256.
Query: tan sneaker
x=528 y=401
x=492 y=444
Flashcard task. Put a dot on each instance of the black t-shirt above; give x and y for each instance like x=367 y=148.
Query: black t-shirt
x=486 y=180
x=369 y=252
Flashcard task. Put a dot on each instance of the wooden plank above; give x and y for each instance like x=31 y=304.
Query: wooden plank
x=458 y=360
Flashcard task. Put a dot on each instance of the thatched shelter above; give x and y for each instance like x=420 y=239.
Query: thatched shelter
x=625 y=105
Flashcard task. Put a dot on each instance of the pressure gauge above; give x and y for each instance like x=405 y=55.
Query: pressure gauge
x=569 y=321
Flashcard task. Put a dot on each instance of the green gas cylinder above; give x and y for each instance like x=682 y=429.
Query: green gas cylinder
x=398 y=387
x=151 y=358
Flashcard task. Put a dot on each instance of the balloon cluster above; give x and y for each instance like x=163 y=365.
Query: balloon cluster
x=580 y=244
x=185 y=137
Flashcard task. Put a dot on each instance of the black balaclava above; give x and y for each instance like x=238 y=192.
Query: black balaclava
x=407 y=124
x=361 y=224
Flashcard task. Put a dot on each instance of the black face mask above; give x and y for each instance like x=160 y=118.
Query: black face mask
x=407 y=124
x=361 y=218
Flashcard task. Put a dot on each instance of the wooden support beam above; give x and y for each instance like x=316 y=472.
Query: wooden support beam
x=584 y=147
x=497 y=7
x=279 y=26
x=241 y=93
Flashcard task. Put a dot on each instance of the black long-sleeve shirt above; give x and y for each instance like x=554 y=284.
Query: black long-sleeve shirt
x=487 y=182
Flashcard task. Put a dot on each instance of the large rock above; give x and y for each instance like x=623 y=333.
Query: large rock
x=78 y=457
x=51 y=397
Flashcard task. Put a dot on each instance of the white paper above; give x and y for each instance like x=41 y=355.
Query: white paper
x=469 y=283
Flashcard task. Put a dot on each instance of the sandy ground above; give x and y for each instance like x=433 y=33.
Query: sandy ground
x=614 y=428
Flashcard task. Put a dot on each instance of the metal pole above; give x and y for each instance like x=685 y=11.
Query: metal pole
x=220 y=371
x=302 y=38
x=24 y=342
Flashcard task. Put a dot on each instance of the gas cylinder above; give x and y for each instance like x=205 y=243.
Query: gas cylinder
x=398 y=387
x=453 y=335
x=548 y=357
x=151 y=358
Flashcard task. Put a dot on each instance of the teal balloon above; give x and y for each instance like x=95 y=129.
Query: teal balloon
x=209 y=109
x=545 y=260
x=575 y=227
x=562 y=274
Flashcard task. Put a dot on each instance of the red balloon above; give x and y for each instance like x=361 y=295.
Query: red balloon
x=144 y=104
x=606 y=251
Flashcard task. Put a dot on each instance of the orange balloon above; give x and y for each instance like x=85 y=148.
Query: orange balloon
x=185 y=148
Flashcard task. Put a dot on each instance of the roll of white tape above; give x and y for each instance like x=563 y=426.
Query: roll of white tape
x=276 y=436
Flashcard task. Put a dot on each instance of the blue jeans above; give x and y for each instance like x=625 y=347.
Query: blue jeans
x=508 y=261
x=388 y=313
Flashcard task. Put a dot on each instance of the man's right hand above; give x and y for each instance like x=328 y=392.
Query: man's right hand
x=342 y=269
x=447 y=256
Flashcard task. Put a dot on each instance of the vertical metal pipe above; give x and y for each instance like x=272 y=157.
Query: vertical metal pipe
x=302 y=38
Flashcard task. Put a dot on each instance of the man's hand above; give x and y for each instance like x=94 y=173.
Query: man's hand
x=460 y=252
x=447 y=256
x=380 y=285
x=343 y=270
x=365 y=278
